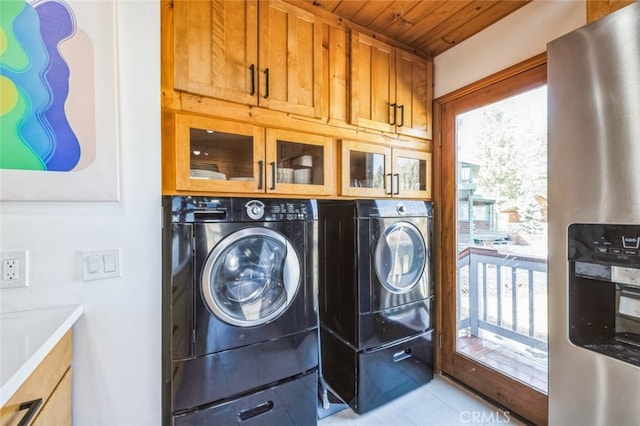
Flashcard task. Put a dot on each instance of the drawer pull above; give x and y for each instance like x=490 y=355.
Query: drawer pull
x=402 y=355
x=250 y=413
x=32 y=408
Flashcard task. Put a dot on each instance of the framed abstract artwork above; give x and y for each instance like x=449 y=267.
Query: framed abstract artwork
x=58 y=101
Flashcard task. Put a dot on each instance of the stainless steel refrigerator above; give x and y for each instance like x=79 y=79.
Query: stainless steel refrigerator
x=594 y=222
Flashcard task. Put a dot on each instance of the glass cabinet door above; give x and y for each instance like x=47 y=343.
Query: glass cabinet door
x=299 y=163
x=219 y=156
x=366 y=169
x=411 y=174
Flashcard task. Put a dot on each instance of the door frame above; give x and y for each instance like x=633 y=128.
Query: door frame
x=506 y=392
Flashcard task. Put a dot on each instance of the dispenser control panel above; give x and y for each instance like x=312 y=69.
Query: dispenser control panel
x=606 y=243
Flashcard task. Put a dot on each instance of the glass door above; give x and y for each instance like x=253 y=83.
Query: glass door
x=217 y=155
x=411 y=174
x=493 y=258
x=366 y=170
x=298 y=163
x=251 y=277
x=502 y=236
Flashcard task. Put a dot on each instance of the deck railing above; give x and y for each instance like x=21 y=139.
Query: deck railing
x=503 y=294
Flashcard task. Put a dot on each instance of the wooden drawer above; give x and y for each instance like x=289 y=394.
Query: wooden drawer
x=41 y=385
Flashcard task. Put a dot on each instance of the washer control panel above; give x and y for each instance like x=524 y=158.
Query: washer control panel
x=280 y=210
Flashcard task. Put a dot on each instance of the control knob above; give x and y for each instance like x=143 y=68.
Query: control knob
x=255 y=209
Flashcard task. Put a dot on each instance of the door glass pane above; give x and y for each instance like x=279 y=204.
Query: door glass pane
x=412 y=174
x=366 y=170
x=400 y=257
x=247 y=279
x=502 y=236
x=300 y=163
x=220 y=156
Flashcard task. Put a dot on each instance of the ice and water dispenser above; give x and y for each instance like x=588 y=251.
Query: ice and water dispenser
x=604 y=289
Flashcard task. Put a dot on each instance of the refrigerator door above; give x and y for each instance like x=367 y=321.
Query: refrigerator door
x=594 y=155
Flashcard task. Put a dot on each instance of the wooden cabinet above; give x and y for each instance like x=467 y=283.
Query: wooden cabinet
x=262 y=53
x=377 y=171
x=204 y=154
x=45 y=397
x=391 y=89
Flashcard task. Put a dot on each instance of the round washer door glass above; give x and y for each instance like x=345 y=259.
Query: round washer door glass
x=400 y=257
x=251 y=277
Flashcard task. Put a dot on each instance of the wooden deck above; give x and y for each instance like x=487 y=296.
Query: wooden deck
x=514 y=363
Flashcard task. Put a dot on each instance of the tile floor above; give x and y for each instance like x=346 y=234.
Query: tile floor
x=440 y=402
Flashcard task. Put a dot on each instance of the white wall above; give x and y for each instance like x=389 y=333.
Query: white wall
x=521 y=35
x=117 y=341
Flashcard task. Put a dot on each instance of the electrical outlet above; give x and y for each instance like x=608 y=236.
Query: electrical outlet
x=14 y=269
x=10 y=269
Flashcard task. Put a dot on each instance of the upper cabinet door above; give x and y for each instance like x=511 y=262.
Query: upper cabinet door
x=215 y=45
x=290 y=59
x=391 y=89
x=373 y=83
x=214 y=155
x=366 y=170
x=299 y=163
x=414 y=94
x=412 y=171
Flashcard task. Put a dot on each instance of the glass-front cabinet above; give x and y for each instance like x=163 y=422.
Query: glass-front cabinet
x=215 y=155
x=370 y=170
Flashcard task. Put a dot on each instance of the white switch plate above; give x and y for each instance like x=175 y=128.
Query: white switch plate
x=100 y=264
x=14 y=269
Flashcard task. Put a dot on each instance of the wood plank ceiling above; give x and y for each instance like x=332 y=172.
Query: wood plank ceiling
x=429 y=26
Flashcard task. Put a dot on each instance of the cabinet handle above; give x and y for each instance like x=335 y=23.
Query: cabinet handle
x=266 y=76
x=397 y=175
x=260 y=173
x=401 y=108
x=273 y=175
x=32 y=409
x=253 y=79
x=394 y=106
x=390 y=183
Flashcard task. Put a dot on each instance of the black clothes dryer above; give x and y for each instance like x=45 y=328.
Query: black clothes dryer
x=240 y=318
x=376 y=298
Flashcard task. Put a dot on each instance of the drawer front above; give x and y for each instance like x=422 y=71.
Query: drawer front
x=57 y=410
x=292 y=403
x=41 y=383
x=389 y=372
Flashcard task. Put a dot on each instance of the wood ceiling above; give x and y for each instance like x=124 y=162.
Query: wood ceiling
x=428 y=26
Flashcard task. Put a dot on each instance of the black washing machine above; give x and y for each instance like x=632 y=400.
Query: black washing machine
x=240 y=318
x=376 y=298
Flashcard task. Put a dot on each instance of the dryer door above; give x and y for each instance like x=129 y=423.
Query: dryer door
x=400 y=257
x=251 y=277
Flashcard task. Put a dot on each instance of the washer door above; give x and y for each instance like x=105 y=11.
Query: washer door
x=400 y=257
x=251 y=277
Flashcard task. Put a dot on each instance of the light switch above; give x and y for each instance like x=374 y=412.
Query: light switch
x=109 y=262
x=93 y=264
x=101 y=264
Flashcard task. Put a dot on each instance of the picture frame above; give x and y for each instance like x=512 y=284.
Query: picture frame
x=59 y=117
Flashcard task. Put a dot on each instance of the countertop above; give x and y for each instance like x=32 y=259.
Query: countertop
x=26 y=337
